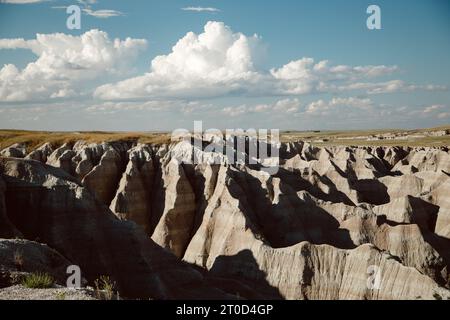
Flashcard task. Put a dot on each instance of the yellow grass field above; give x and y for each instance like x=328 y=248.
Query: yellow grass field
x=33 y=139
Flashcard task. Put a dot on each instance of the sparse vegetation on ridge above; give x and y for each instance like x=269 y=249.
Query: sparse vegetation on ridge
x=34 y=139
x=38 y=280
x=105 y=288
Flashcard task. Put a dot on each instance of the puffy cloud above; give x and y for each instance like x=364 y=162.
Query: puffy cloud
x=306 y=76
x=295 y=70
x=220 y=62
x=306 y=69
x=215 y=62
x=63 y=63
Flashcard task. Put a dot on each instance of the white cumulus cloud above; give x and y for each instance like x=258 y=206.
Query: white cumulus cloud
x=215 y=62
x=219 y=62
x=64 y=62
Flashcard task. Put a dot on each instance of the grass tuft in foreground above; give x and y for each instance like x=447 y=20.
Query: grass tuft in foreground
x=38 y=280
x=105 y=288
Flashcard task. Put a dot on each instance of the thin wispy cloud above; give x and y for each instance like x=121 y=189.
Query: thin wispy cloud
x=200 y=9
x=21 y=1
x=106 y=13
x=88 y=10
x=87 y=2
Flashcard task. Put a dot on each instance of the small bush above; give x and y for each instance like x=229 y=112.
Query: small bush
x=105 y=288
x=38 y=281
x=437 y=296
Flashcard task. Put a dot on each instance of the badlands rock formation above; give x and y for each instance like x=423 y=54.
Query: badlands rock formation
x=332 y=223
x=18 y=257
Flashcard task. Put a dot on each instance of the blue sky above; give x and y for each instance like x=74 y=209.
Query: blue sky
x=258 y=88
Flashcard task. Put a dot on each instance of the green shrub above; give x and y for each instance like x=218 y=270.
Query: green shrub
x=105 y=288
x=38 y=280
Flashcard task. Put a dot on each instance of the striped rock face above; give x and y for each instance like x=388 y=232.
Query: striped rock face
x=331 y=223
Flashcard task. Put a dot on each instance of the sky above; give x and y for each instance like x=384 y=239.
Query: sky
x=153 y=65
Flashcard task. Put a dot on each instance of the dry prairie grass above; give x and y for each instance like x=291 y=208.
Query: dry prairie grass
x=34 y=139
x=353 y=138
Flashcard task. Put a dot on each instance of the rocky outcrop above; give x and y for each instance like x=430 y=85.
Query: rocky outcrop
x=62 y=158
x=42 y=153
x=308 y=271
x=14 y=151
x=133 y=199
x=47 y=204
x=7 y=229
x=174 y=211
x=21 y=257
x=315 y=229
x=231 y=236
x=102 y=180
